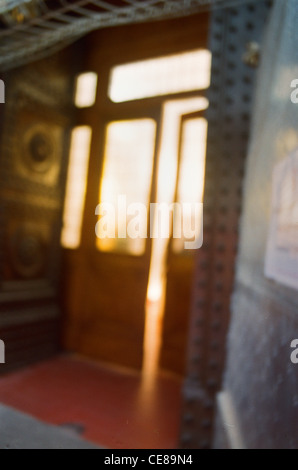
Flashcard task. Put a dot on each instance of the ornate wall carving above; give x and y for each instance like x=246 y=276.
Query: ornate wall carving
x=33 y=162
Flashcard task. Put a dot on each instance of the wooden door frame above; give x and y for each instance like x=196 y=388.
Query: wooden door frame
x=112 y=47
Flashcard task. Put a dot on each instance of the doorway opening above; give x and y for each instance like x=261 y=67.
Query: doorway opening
x=146 y=161
x=141 y=123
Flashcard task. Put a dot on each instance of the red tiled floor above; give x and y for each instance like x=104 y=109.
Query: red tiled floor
x=115 y=407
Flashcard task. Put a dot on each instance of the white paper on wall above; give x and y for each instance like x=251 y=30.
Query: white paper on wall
x=281 y=263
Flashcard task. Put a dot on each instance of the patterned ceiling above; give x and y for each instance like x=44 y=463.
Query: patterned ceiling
x=32 y=29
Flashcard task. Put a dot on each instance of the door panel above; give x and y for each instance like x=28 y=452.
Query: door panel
x=126 y=181
x=180 y=260
x=107 y=280
x=118 y=271
x=108 y=274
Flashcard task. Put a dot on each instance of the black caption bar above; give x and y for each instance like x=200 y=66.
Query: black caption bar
x=139 y=458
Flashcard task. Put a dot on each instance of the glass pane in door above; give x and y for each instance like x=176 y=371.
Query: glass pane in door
x=125 y=186
x=191 y=180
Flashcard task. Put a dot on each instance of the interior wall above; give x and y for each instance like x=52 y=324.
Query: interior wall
x=230 y=97
x=33 y=159
x=260 y=380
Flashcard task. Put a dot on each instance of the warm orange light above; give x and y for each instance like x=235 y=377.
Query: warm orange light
x=161 y=76
x=167 y=175
x=156 y=77
x=76 y=186
x=166 y=185
x=154 y=291
x=192 y=172
x=152 y=338
x=86 y=85
x=127 y=175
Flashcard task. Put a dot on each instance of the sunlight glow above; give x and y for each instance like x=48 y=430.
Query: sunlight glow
x=76 y=186
x=86 y=86
x=192 y=170
x=128 y=167
x=161 y=76
x=154 y=290
x=152 y=338
x=166 y=185
x=167 y=175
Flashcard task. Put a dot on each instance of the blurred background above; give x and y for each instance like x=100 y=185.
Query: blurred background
x=138 y=342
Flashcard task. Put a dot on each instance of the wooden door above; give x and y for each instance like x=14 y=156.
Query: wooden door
x=107 y=278
x=106 y=281
x=113 y=272
x=180 y=260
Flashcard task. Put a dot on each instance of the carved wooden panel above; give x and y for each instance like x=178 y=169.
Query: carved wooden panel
x=33 y=160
